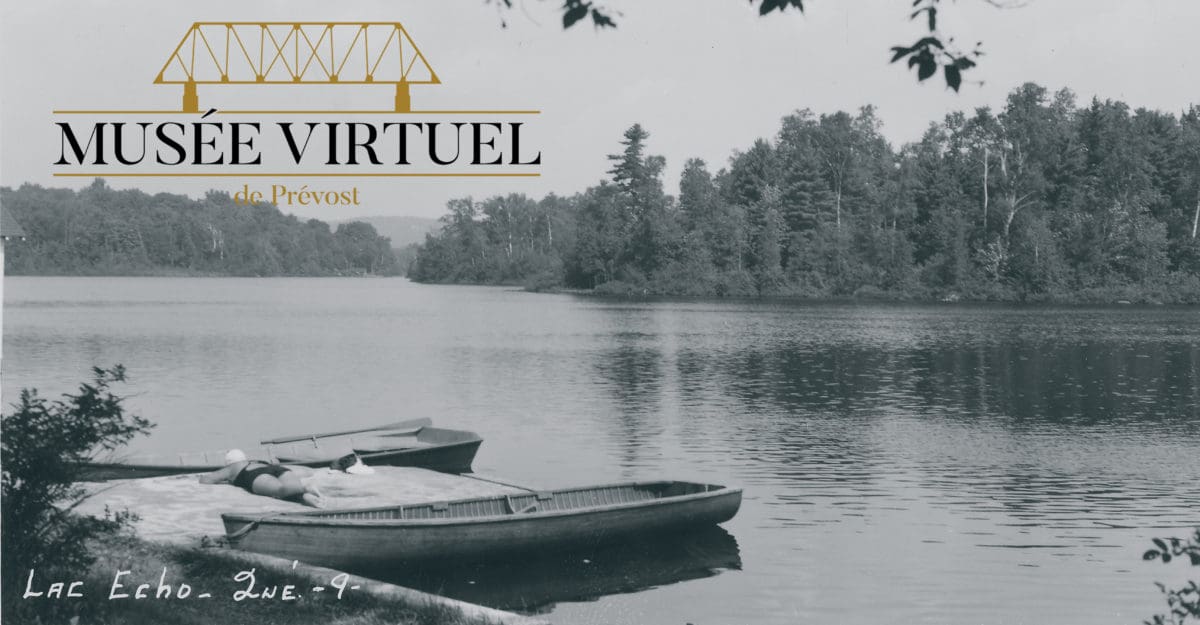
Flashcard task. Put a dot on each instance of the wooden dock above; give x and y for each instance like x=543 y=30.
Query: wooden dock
x=180 y=510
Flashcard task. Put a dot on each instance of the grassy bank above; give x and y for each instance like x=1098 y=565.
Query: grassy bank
x=204 y=570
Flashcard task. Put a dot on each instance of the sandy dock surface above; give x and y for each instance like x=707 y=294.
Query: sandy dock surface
x=180 y=510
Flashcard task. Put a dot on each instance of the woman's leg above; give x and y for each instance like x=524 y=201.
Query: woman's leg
x=306 y=477
x=285 y=486
x=294 y=486
x=271 y=486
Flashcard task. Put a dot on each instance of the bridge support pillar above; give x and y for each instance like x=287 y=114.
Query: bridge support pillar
x=403 y=100
x=191 y=102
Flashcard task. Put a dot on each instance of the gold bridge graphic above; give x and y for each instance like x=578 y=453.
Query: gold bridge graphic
x=297 y=53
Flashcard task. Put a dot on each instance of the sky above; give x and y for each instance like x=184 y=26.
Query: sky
x=704 y=77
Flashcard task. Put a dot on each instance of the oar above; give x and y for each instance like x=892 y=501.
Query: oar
x=412 y=424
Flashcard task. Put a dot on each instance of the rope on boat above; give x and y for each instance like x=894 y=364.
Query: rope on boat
x=250 y=527
x=500 y=482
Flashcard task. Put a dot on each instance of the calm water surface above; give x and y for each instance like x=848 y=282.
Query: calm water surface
x=902 y=464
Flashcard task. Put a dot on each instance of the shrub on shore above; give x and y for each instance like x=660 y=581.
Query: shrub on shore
x=1183 y=604
x=44 y=443
x=42 y=541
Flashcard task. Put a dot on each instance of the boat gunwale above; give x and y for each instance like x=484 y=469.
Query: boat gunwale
x=322 y=518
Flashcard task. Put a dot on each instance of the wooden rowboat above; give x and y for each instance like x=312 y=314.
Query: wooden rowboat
x=405 y=444
x=477 y=528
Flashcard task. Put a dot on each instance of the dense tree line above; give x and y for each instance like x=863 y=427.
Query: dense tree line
x=1042 y=200
x=101 y=231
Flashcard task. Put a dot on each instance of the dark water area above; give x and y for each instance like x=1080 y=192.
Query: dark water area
x=901 y=463
x=537 y=583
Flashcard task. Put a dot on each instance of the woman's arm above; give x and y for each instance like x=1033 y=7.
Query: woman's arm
x=222 y=475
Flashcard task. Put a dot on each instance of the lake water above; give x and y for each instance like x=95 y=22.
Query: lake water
x=901 y=463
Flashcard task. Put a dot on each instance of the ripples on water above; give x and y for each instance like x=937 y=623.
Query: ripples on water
x=902 y=464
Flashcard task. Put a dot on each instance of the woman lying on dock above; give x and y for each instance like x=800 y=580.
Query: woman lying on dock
x=271 y=480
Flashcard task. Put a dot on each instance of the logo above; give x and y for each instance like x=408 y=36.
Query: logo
x=297 y=53
x=215 y=130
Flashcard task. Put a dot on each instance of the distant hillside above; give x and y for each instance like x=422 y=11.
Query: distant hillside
x=403 y=231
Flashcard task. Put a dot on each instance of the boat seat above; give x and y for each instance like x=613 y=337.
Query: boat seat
x=541 y=496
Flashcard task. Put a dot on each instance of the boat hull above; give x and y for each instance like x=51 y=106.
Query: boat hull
x=446 y=458
x=105 y=471
x=447 y=451
x=365 y=544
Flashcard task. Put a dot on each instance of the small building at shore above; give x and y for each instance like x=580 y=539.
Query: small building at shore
x=10 y=229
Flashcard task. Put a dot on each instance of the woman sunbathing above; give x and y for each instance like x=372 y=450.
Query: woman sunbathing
x=271 y=480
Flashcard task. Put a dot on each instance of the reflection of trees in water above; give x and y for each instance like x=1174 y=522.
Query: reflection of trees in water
x=1037 y=385
x=817 y=416
x=1027 y=383
x=1036 y=494
x=632 y=372
x=535 y=583
x=1039 y=417
x=786 y=408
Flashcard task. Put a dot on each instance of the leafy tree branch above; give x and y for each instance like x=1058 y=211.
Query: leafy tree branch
x=1183 y=604
x=933 y=51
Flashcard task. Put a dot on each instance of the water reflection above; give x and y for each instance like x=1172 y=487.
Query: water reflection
x=958 y=464
x=536 y=584
x=632 y=372
x=1029 y=384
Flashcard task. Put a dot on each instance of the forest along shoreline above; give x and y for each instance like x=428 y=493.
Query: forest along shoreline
x=101 y=231
x=1043 y=200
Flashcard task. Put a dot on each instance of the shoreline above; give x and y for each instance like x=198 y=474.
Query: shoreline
x=849 y=299
x=175 y=537
x=1071 y=299
x=135 y=579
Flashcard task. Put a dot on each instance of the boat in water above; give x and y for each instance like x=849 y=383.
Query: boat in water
x=414 y=443
x=481 y=527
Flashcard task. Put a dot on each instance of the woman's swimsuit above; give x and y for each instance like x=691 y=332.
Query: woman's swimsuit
x=246 y=477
